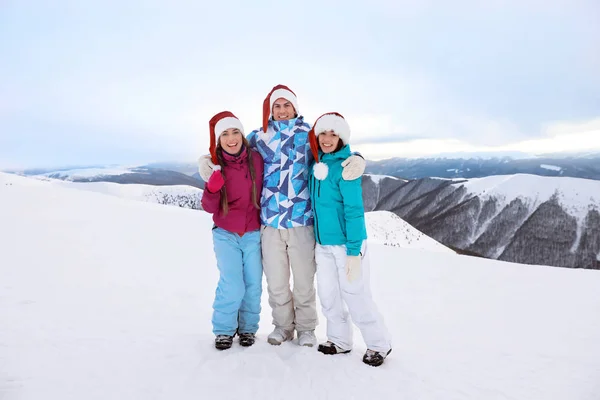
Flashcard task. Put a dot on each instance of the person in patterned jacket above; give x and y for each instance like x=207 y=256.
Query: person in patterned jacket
x=287 y=233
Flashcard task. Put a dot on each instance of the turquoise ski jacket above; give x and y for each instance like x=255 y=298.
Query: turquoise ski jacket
x=339 y=214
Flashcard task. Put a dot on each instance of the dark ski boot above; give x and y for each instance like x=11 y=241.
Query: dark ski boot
x=375 y=358
x=247 y=339
x=223 y=342
x=331 y=348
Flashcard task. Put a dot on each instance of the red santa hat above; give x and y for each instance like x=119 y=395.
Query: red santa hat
x=330 y=121
x=217 y=125
x=278 y=92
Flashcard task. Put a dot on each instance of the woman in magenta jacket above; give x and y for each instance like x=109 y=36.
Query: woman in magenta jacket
x=232 y=195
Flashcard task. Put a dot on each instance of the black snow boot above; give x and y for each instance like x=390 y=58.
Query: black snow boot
x=247 y=339
x=331 y=348
x=375 y=358
x=223 y=342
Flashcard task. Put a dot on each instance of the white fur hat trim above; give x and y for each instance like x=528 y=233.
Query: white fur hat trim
x=285 y=94
x=227 y=123
x=332 y=122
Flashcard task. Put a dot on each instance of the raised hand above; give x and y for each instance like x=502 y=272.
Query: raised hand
x=216 y=181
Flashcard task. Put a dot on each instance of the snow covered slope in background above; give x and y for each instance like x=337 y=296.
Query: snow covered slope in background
x=387 y=228
x=576 y=196
x=382 y=226
x=99 y=299
x=179 y=195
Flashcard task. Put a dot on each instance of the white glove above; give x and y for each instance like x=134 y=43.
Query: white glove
x=352 y=267
x=354 y=167
x=205 y=167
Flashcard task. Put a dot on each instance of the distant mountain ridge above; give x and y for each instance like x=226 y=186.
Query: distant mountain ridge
x=576 y=165
x=118 y=174
x=582 y=166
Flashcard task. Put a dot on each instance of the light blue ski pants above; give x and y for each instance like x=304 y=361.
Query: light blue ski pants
x=237 y=298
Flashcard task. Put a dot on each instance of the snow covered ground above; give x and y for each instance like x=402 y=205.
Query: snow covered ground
x=108 y=298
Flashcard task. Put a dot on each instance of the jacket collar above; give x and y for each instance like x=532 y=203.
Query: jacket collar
x=287 y=124
x=341 y=154
x=239 y=159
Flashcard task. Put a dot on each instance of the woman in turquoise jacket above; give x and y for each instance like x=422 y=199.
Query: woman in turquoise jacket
x=341 y=249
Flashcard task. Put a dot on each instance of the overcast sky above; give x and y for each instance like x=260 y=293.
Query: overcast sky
x=85 y=82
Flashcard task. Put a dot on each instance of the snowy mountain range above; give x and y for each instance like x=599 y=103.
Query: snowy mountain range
x=520 y=218
x=577 y=165
x=585 y=165
x=99 y=299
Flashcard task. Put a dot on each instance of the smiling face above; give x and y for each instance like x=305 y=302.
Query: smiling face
x=283 y=110
x=231 y=140
x=329 y=142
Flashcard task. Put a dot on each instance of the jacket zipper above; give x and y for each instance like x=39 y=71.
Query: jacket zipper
x=317 y=237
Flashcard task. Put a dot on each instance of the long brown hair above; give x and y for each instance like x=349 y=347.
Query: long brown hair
x=222 y=163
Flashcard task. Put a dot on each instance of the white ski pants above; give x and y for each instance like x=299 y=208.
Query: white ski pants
x=342 y=300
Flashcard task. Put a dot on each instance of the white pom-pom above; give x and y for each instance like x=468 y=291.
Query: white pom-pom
x=217 y=168
x=320 y=171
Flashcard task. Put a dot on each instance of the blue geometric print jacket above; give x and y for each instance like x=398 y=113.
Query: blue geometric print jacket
x=285 y=200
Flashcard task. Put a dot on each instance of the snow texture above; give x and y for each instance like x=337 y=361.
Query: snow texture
x=110 y=298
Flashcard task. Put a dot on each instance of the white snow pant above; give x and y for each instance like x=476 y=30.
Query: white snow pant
x=283 y=249
x=342 y=300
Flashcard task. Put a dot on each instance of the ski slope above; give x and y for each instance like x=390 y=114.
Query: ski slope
x=109 y=298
